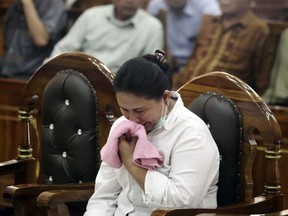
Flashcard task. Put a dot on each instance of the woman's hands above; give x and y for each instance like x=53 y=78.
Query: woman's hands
x=126 y=148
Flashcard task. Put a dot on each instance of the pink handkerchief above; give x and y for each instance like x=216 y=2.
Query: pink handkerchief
x=145 y=154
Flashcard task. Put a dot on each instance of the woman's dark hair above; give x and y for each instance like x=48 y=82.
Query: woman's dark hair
x=146 y=76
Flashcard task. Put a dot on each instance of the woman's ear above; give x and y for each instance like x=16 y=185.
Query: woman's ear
x=166 y=96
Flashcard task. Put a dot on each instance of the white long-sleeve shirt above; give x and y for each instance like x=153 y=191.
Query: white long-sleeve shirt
x=187 y=179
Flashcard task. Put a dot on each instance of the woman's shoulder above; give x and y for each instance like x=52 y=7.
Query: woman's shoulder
x=189 y=119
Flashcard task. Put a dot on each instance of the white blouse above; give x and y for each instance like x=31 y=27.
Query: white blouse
x=187 y=179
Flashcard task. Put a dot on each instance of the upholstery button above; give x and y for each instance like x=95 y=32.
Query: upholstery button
x=67 y=102
x=64 y=154
x=50 y=178
x=51 y=126
x=79 y=131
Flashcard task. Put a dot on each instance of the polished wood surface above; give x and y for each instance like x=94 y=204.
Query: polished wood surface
x=255 y=206
x=262 y=140
x=10 y=126
x=10 y=93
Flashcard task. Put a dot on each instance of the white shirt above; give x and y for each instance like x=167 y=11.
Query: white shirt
x=187 y=179
x=97 y=32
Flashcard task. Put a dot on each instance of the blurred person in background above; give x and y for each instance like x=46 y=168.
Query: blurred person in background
x=182 y=19
x=276 y=93
x=237 y=42
x=31 y=29
x=114 y=33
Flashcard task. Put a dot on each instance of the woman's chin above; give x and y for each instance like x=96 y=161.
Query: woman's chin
x=148 y=126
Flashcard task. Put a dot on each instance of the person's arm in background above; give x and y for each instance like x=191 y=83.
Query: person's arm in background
x=36 y=27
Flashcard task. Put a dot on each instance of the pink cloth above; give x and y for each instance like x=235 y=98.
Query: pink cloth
x=145 y=154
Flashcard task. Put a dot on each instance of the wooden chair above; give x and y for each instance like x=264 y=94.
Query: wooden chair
x=69 y=105
x=248 y=187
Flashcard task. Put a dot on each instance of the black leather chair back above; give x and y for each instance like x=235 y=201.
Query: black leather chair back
x=224 y=121
x=70 y=145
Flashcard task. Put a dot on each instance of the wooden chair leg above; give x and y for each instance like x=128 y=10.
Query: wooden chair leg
x=60 y=210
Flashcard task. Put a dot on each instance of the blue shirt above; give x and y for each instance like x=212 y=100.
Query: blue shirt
x=182 y=29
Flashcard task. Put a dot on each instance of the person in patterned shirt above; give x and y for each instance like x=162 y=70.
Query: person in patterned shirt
x=237 y=42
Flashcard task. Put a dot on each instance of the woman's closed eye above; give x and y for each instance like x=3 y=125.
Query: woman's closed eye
x=140 y=111
x=134 y=110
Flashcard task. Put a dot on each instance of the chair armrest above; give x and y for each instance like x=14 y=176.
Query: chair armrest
x=257 y=205
x=13 y=166
x=23 y=191
x=280 y=213
x=52 y=198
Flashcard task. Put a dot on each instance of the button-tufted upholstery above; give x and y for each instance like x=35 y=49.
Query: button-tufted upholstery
x=69 y=129
x=225 y=123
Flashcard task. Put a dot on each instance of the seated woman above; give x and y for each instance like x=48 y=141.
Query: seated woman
x=186 y=169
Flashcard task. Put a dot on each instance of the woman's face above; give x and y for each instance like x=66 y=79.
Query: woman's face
x=146 y=112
